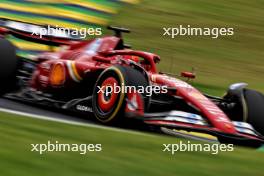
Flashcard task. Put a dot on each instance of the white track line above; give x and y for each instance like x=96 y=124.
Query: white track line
x=71 y=122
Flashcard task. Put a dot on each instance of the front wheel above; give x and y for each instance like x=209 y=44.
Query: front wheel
x=108 y=97
x=246 y=105
x=255 y=109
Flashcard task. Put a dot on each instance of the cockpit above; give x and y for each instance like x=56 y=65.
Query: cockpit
x=147 y=60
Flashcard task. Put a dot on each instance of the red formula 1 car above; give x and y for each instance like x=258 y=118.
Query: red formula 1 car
x=78 y=76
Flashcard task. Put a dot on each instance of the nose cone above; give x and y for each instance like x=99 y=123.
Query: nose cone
x=229 y=127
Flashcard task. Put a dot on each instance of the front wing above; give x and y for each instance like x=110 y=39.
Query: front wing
x=193 y=122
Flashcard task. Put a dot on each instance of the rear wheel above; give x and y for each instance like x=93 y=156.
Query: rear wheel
x=109 y=104
x=8 y=66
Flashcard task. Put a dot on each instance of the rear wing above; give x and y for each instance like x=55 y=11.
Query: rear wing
x=43 y=34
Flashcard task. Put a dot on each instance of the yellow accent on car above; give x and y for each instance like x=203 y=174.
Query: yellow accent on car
x=197 y=134
x=77 y=75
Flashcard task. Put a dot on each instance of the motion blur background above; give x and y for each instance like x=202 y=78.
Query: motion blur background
x=217 y=62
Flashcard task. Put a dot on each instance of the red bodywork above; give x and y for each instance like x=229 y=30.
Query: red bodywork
x=85 y=59
x=99 y=54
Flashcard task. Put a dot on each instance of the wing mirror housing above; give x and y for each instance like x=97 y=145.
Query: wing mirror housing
x=188 y=75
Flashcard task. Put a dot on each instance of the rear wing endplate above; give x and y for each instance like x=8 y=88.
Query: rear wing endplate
x=44 y=34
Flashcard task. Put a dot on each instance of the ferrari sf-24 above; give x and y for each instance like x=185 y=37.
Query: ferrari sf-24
x=72 y=79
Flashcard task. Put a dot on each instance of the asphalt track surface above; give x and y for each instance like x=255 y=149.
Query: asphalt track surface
x=40 y=110
x=57 y=116
x=63 y=116
x=60 y=115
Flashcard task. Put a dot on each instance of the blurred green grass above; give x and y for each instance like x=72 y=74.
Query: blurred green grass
x=123 y=153
x=218 y=62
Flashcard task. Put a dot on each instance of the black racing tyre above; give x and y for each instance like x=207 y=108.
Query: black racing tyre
x=109 y=109
x=252 y=108
x=255 y=109
x=8 y=66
